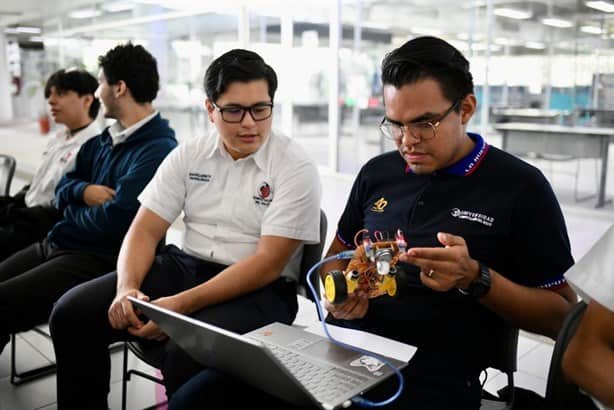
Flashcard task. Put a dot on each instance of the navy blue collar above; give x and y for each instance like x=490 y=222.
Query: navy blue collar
x=467 y=165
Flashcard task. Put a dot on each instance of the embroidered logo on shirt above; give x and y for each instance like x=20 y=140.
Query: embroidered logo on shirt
x=379 y=205
x=66 y=157
x=200 y=177
x=265 y=194
x=472 y=216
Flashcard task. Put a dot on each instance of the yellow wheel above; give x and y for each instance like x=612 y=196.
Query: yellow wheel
x=335 y=287
x=390 y=285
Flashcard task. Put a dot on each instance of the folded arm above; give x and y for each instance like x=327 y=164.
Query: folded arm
x=589 y=358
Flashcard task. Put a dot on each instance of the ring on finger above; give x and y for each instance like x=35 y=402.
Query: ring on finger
x=431 y=273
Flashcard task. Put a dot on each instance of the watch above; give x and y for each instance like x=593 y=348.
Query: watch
x=481 y=285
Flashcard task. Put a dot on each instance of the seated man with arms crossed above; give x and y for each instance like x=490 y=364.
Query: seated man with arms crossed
x=250 y=198
x=29 y=215
x=98 y=198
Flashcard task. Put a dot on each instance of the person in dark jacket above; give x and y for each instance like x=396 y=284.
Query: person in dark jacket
x=98 y=199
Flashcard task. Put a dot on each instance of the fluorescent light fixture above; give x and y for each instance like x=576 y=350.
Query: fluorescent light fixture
x=117 y=6
x=28 y=30
x=535 y=45
x=84 y=14
x=10 y=30
x=513 y=13
x=591 y=30
x=604 y=6
x=556 y=22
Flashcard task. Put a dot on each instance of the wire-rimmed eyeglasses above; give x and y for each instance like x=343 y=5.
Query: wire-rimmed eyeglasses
x=423 y=130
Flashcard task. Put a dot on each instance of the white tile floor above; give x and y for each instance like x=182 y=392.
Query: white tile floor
x=585 y=225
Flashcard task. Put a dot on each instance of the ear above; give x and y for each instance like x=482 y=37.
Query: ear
x=120 y=89
x=467 y=108
x=210 y=109
x=87 y=100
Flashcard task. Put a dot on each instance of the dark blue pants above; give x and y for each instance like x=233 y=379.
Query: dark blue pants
x=33 y=279
x=81 y=331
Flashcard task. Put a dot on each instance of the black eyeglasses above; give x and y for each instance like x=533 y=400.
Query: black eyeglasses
x=235 y=113
x=424 y=130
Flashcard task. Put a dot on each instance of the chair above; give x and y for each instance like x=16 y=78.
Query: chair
x=312 y=254
x=505 y=360
x=17 y=378
x=153 y=354
x=7 y=170
x=560 y=393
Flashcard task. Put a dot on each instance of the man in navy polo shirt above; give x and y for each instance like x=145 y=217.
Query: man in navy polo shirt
x=487 y=240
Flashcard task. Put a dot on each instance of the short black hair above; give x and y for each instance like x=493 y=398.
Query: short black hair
x=136 y=67
x=237 y=65
x=429 y=57
x=79 y=81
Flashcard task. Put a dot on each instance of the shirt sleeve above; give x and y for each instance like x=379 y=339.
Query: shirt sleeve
x=539 y=232
x=166 y=192
x=295 y=210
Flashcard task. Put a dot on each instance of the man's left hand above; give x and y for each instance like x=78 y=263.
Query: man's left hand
x=151 y=330
x=444 y=268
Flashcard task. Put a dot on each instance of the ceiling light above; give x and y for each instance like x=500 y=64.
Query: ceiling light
x=117 y=6
x=535 y=45
x=556 y=22
x=604 y=6
x=591 y=30
x=84 y=14
x=513 y=13
x=28 y=30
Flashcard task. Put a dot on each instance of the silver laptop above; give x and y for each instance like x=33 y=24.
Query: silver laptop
x=285 y=361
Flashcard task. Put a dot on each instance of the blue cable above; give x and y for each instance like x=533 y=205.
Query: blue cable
x=358 y=400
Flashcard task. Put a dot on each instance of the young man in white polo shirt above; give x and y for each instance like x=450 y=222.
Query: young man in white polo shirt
x=250 y=198
x=27 y=217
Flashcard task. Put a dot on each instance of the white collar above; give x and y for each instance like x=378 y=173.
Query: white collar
x=120 y=134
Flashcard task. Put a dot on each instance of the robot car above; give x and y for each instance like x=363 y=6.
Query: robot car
x=372 y=268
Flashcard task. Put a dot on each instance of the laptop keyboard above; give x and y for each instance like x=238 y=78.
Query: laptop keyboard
x=325 y=382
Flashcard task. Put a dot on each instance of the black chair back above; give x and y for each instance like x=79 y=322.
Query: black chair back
x=504 y=359
x=7 y=171
x=312 y=254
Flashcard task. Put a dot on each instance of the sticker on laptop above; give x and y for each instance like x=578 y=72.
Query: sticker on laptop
x=369 y=363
